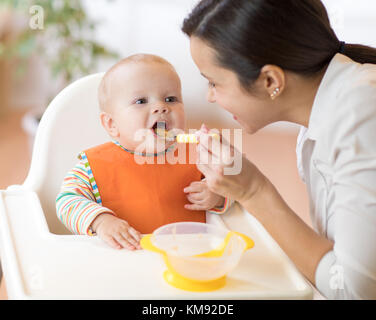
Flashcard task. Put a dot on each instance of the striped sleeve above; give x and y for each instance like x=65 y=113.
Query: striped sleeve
x=76 y=204
x=222 y=210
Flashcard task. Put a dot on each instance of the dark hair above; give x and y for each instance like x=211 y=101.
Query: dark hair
x=247 y=34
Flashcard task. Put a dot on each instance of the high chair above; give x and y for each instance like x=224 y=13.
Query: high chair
x=42 y=260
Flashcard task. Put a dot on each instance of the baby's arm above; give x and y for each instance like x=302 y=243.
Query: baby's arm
x=76 y=204
x=227 y=203
x=202 y=198
x=79 y=211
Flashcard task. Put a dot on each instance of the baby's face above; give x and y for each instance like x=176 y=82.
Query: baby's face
x=140 y=95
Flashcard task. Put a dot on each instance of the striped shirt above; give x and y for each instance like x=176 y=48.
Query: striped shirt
x=79 y=203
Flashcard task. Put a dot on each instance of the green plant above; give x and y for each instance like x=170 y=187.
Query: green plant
x=66 y=41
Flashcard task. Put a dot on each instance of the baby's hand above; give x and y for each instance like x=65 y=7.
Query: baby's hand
x=201 y=197
x=116 y=232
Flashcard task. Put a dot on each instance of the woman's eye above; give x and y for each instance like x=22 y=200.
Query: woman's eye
x=141 y=101
x=171 y=99
x=211 y=85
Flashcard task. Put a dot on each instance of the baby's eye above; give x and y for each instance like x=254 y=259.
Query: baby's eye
x=171 y=99
x=141 y=101
x=211 y=85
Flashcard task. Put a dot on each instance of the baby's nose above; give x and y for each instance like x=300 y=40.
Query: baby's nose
x=161 y=109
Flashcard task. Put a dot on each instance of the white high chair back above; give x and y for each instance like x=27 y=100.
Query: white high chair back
x=69 y=125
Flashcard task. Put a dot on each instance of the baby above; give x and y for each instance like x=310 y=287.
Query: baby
x=110 y=194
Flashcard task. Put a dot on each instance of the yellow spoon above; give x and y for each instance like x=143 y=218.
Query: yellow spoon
x=181 y=137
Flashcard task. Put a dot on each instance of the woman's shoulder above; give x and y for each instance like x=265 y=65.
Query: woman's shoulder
x=358 y=91
x=349 y=88
x=356 y=76
x=346 y=105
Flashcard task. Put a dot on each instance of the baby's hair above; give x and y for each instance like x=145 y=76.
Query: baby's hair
x=136 y=58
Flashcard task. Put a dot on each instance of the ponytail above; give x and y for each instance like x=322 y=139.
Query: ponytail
x=359 y=53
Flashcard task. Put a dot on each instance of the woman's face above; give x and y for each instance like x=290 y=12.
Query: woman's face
x=253 y=112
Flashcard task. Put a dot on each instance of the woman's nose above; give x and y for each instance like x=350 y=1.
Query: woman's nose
x=210 y=96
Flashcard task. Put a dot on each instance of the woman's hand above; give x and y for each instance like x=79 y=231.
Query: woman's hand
x=241 y=186
x=201 y=197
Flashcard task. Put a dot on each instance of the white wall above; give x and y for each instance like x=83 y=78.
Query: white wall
x=353 y=21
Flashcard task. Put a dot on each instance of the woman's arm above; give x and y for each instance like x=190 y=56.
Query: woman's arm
x=345 y=268
x=301 y=243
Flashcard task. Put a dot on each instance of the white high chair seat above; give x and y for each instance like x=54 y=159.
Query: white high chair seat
x=41 y=259
x=69 y=125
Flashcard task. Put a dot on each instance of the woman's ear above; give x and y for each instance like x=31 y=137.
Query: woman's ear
x=274 y=80
x=109 y=124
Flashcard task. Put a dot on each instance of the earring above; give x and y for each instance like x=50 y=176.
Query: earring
x=274 y=94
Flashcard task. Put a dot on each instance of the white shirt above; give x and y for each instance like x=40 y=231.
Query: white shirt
x=337 y=161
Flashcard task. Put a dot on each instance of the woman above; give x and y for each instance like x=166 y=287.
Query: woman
x=273 y=60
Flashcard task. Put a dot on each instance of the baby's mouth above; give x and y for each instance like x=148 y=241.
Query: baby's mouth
x=161 y=130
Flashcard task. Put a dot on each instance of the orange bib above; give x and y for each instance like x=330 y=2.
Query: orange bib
x=147 y=196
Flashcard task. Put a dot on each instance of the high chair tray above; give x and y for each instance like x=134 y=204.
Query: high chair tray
x=40 y=265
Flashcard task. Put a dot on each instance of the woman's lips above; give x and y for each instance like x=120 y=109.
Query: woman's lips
x=235 y=118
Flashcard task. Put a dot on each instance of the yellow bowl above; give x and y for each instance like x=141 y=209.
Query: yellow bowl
x=198 y=256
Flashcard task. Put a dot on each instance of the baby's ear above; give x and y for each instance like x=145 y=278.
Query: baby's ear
x=109 y=124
